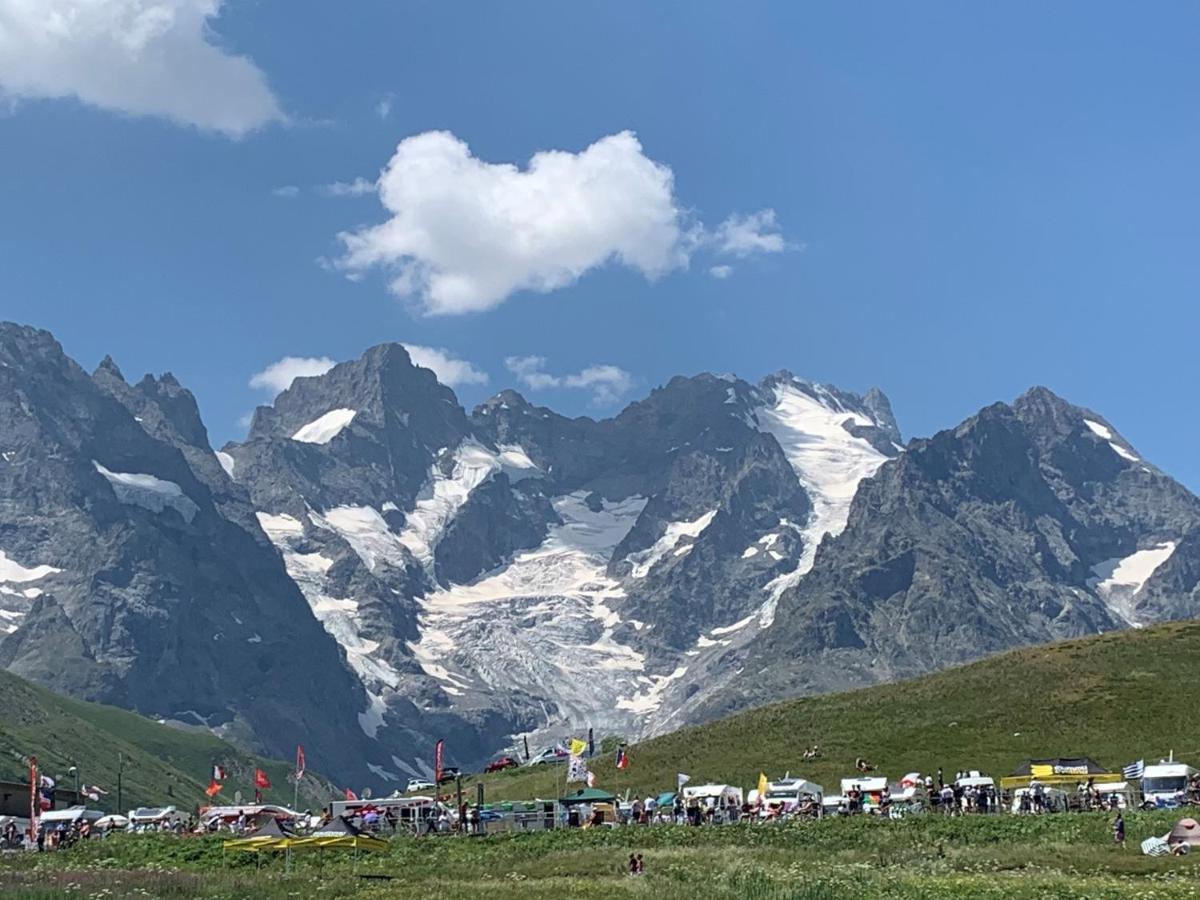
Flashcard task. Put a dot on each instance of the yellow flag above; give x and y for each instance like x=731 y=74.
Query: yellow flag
x=1042 y=771
x=578 y=746
x=762 y=786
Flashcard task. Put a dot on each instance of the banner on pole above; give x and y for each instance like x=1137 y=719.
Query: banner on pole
x=438 y=750
x=577 y=769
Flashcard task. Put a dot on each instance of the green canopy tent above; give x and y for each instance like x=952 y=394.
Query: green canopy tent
x=587 y=795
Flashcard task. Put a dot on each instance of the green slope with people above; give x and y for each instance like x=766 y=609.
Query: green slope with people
x=1116 y=697
x=159 y=765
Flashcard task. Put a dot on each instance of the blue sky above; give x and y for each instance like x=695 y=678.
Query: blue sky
x=969 y=200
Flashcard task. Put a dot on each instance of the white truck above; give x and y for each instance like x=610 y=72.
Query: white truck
x=1166 y=783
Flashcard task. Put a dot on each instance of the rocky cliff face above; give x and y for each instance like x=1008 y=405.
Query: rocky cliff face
x=1027 y=523
x=373 y=568
x=131 y=569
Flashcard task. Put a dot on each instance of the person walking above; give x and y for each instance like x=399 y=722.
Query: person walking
x=1119 y=830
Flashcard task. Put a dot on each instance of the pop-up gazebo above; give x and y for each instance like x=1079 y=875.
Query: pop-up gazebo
x=587 y=795
x=1059 y=770
x=271 y=836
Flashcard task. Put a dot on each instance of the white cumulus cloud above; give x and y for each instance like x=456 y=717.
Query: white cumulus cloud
x=278 y=376
x=721 y=272
x=463 y=234
x=139 y=57
x=449 y=370
x=607 y=383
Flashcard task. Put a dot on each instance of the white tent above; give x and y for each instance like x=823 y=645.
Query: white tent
x=720 y=794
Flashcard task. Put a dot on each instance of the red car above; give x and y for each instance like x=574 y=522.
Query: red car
x=499 y=765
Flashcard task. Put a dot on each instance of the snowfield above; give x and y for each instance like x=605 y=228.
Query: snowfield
x=829 y=461
x=149 y=492
x=326 y=428
x=1118 y=581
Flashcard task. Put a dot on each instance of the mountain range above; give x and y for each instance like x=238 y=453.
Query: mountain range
x=374 y=567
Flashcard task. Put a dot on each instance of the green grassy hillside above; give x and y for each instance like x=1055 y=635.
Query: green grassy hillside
x=1116 y=697
x=162 y=765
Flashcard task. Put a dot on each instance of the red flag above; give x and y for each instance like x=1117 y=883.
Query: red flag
x=622 y=758
x=437 y=761
x=350 y=795
x=213 y=788
x=218 y=773
x=35 y=796
x=299 y=762
x=261 y=780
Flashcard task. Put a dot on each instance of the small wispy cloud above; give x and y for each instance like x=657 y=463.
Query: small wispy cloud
x=745 y=235
x=286 y=190
x=720 y=272
x=279 y=375
x=449 y=369
x=383 y=109
x=607 y=383
x=359 y=187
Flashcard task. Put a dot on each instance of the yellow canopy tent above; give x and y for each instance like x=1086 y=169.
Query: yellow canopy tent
x=338 y=834
x=1059 y=771
x=271 y=836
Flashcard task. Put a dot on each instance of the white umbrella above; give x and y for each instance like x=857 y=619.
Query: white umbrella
x=112 y=821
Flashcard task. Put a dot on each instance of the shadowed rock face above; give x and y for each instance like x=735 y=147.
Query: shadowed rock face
x=373 y=569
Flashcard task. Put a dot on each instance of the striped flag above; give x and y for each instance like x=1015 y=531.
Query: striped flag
x=622 y=758
x=218 y=773
x=1134 y=770
x=299 y=762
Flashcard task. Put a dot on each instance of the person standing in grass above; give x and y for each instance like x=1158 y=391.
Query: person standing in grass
x=1119 y=830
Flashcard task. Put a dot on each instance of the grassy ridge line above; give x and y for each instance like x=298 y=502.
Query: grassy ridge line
x=1117 y=697
x=62 y=732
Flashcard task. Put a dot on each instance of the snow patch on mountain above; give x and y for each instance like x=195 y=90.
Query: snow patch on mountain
x=1118 y=580
x=444 y=494
x=645 y=560
x=651 y=699
x=809 y=423
x=324 y=429
x=149 y=492
x=226 y=461
x=1106 y=434
x=365 y=530
x=14 y=602
x=13 y=571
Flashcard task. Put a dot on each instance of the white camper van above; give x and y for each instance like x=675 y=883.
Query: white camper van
x=1165 y=784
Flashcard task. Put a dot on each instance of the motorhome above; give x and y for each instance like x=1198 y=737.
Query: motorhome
x=1166 y=783
x=793 y=793
x=1120 y=794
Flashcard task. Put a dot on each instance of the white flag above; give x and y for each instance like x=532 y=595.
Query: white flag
x=577 y=769
x=681 y=780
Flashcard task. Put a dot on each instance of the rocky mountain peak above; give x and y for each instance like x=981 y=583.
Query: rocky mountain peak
x=108 y=367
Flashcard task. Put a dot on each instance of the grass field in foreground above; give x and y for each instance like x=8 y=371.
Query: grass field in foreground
x=1117 y=697
x=1069 y=856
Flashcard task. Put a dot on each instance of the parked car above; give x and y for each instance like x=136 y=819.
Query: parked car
x=549 y=755
x=449 y=774
x=418 y=784
x=499 y=765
